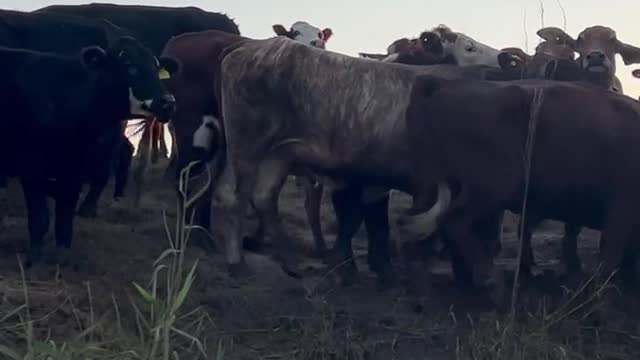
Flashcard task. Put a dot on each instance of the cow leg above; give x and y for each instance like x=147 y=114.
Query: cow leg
x=312 y=204
x=272 y=173
x=155 y=140
x=141 y=163
x=570 y=248
x=376 y=222
x=123 y=164
x=34 y=190
x=162 y=144
x=615 y=239
x=527 y=261
x=347 y=204
x=66 y=201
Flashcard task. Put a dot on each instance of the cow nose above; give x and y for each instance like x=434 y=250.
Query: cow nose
x=595 y=58
x=164 y=107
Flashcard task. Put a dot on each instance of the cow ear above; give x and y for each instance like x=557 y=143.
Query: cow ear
x=636 y=73
x=629 y=53
x=93 y=57
x=169 y=64
x=280 y=30
x=326 y=34
x=556 y=35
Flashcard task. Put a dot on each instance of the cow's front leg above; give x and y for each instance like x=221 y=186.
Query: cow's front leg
x=272 y=173
x=376 y=221
x=123 y=164
x=34 y=190
x=349 y=210
x=68 y=194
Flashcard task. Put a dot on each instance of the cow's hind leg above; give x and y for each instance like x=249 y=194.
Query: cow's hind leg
x=34 y=191
x=272 y=172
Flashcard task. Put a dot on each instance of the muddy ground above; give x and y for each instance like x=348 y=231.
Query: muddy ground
x=277 y=317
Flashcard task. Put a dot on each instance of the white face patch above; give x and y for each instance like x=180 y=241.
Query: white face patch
x=468 y=51
x=204 y=136
x=138 y=107
x=308 y=34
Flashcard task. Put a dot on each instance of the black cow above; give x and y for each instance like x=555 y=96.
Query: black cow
x=67 y=35
x=56 y=107
x=153 y=26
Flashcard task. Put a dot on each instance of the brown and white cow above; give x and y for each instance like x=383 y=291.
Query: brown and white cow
x=197 y=121
x=486 y=145
x=286 y=109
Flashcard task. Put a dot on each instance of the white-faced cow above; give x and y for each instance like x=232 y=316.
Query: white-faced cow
x=197 y=122
x=55 y=108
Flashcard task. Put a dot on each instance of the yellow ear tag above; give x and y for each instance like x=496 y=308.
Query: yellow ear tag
x=164 y=74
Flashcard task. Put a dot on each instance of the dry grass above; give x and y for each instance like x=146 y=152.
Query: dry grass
x=162 y=329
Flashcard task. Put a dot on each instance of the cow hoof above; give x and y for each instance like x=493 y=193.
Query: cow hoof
x=290 y=266
x=88 y=212
x=333 y=257
x=387 y=278
x=240 y=271
x=348 y=275
x=34 y=256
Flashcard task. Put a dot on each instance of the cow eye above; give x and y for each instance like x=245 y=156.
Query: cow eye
x=295 y=33
x=470 y=48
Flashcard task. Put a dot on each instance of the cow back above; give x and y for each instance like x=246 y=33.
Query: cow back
x=152 y=25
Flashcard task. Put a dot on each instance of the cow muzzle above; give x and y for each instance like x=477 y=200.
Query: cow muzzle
x=596 y=61
x=163 y=108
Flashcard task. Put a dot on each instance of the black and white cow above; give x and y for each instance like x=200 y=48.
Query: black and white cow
x=154 y=26
x=56 y=107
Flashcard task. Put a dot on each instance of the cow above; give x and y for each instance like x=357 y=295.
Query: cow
x=509 y=143
x=55 y=108
x=166 y=22
x=67 y=35
x=286 y=110
x=197 y=122
x=459 y=49
x=554 y=59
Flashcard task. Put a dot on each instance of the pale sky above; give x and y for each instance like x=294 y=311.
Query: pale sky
x=371 y=25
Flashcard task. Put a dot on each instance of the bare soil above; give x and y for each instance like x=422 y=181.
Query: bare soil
x=274 y=316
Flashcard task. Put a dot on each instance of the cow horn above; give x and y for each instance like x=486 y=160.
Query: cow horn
x=556 y=35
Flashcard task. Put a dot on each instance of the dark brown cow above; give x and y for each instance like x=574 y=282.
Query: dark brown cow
x=554 y=59
x=196 y=123
x=487 y=142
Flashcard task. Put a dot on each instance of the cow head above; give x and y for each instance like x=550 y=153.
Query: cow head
x=128 y=64
x=305 y=33
x=597 y=47
x=464 y=50
x=424 y=50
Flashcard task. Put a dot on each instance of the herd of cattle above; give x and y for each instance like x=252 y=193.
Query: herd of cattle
x=467 y=130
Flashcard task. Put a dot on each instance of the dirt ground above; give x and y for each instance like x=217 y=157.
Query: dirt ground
x=277 y=317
